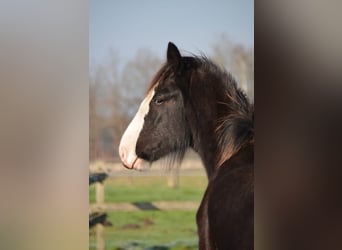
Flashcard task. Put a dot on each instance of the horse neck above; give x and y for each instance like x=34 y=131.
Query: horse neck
x=203 y=115
x=205 y=145
x=209 y=106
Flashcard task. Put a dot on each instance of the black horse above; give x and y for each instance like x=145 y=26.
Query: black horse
x=191 y=102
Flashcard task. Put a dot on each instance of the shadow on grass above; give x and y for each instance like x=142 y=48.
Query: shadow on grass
x=177 y=245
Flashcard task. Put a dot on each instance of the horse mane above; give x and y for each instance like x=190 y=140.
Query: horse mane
x=161 y=74
x=235 y=128
x=167 y=70
x=234 y=132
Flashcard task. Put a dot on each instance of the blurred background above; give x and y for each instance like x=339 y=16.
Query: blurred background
x=127 y=45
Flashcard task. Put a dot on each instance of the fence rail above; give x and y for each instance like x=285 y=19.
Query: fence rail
x=157 y=205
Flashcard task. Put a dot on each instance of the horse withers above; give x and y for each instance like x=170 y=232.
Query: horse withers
x=191 y=102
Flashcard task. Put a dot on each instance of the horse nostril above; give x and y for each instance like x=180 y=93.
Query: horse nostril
x=123 y=153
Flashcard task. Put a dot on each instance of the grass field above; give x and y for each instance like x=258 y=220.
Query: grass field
x=147 y=230
x=147 y=188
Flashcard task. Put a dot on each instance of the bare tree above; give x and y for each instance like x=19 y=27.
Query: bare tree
x=103 y=103
x=114 y=99
x=136 y=76
x=238 y=60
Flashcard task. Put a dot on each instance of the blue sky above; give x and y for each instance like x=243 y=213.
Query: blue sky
x=193 y=25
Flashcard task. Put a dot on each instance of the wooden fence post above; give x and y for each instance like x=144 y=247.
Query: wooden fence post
x=173 y=178
x=100 y=241
x=99 y=189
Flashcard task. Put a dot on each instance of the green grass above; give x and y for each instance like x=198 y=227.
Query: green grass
x=150 y=230
x=168 y=229
x=140 y=189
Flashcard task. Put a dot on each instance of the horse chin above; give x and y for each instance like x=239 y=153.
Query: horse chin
x=141 y=165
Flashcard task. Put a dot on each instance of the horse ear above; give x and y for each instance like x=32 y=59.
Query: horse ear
x=173 y=55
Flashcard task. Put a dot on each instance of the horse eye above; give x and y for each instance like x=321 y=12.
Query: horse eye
x=158 y=101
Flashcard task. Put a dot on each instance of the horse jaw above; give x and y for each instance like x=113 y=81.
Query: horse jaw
x=129 y=139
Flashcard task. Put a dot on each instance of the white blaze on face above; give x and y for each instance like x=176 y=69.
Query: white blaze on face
x=130 y=137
